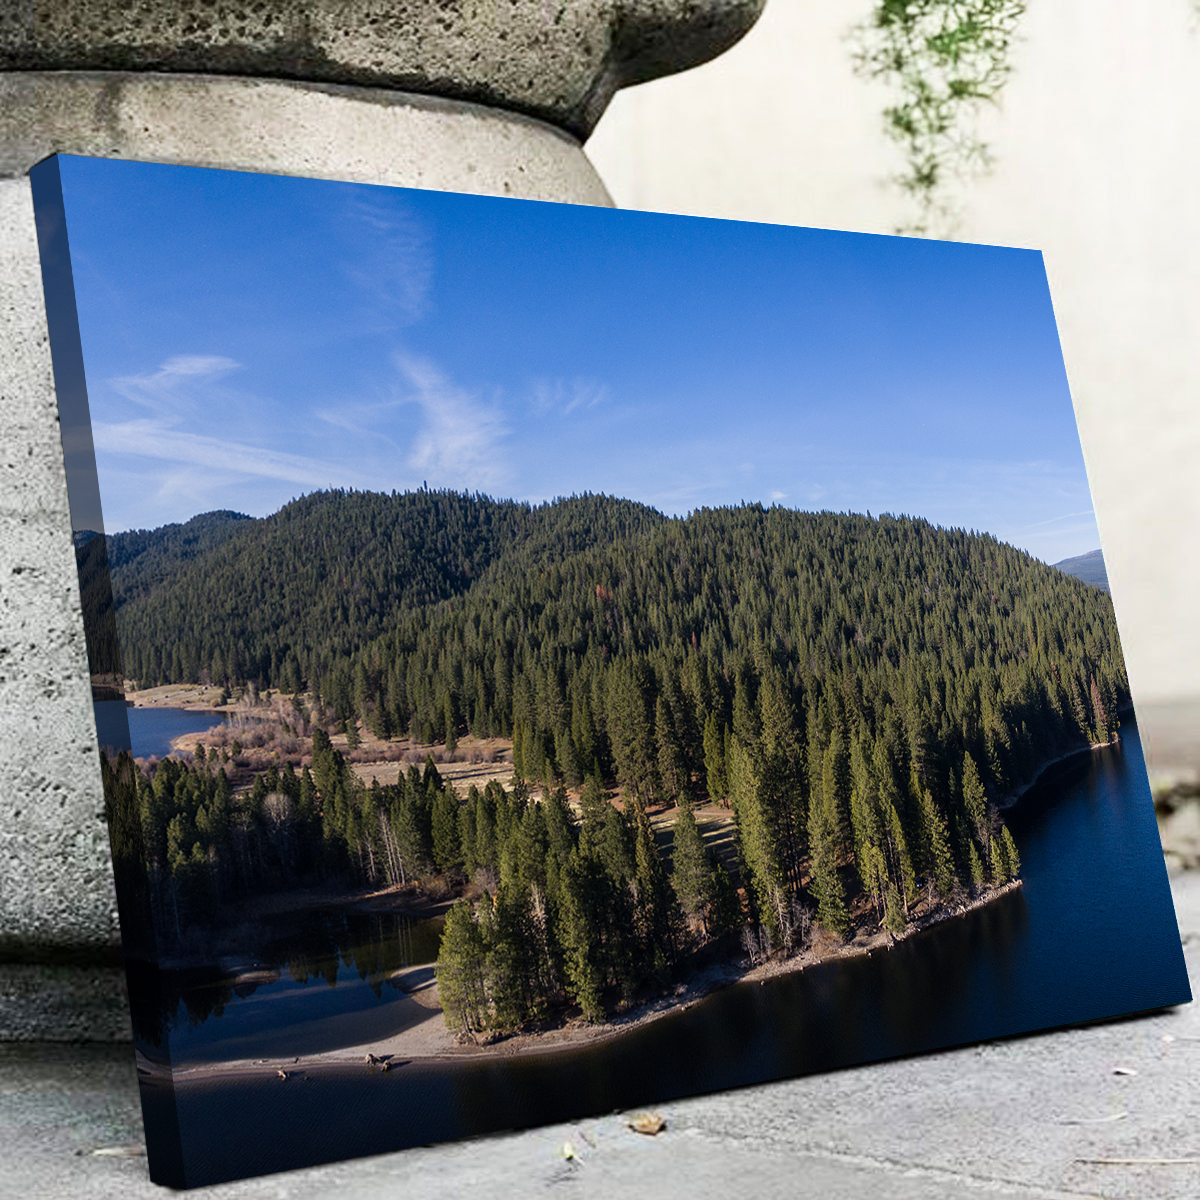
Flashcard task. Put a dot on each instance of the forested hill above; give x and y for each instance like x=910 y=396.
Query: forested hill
x=254 y=599
x=858 y=689
x=143 y=559
x=442 y=612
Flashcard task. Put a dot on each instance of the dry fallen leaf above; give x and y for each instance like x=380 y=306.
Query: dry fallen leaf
x=568 y=1151
x=647 y=1123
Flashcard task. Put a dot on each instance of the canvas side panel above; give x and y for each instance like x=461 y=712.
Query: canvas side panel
x=118 y=771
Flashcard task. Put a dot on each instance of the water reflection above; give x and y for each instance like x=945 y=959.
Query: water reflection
x=306 y=982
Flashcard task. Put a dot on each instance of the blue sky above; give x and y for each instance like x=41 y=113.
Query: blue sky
x=251 y=338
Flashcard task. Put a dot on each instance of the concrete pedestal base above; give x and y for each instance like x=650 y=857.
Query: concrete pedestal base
x=63 y=1003
x=367 y=135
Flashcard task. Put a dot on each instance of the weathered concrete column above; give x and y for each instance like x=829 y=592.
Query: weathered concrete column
x=486 y=96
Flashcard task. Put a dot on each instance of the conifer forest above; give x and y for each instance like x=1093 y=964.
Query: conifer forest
x=857 y=695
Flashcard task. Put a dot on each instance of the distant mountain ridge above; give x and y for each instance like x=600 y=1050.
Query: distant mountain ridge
x=1089 y=567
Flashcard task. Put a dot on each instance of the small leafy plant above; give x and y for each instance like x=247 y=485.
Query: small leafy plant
x=944 y=58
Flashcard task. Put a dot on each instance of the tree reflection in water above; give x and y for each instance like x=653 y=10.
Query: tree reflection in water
x=304 y=948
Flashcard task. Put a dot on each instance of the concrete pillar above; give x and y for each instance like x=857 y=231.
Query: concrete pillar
x=481 y=96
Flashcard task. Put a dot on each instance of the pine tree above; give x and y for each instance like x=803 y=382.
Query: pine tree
x=826 y=883
x=594 y=806
x=899 y=853
x=894 y=921
x=975 y=801
x=580 y=894
x=672 y=768
x=973 y=864
x=691 y=868
x=568 y=760
x=450 y=723
x=616 y=852
x=518 y=750
x=1000 y=863
x=657 y=913
x=714 y=759
x=835 y=783
x=725 y=915
x=533 y=845
x=631 y=730
x=939 y=860
x=1099 y=712
x=1012 y=858
x=758 y=835
x=461 y=966
x=511 y=974
x=447 y=832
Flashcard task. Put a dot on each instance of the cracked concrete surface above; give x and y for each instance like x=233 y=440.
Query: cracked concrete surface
x=1013 y=1118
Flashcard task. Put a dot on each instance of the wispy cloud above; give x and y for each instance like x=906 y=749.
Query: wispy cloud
x=163 y=441
x=1087 y=512
x=391 y=260
x=459 y=443
x=171 y=389
x=565 y=396
x=776 y=494
x=364 y=420
x=193 y=441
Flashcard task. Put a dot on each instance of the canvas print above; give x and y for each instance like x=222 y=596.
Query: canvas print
x=551 y=660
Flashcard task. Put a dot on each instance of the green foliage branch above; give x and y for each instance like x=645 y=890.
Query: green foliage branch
x=944 y=59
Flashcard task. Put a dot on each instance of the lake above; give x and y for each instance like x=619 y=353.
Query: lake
x=1092 y=934
x=150 y=729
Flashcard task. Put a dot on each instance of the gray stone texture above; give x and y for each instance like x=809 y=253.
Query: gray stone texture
x=559 y=60
x=63 y=1002
x=56 y=877
x=1006 y=1119
x=365 y=135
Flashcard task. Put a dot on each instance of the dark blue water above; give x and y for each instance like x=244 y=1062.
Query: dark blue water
x=1091 y=935
x=150 y=730
x=319 y=981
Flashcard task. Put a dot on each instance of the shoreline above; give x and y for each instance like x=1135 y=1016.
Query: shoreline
x=424 y=1037
x=1010 y=798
